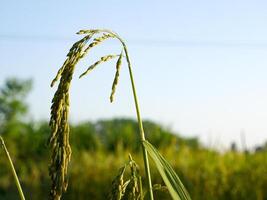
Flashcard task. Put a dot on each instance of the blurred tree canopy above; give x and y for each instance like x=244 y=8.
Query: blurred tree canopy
x=13 y=106
x=12 y=99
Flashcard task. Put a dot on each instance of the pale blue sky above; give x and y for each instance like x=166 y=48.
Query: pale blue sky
x=200 y=66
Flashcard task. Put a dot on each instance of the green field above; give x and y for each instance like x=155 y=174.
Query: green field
x=101 y=148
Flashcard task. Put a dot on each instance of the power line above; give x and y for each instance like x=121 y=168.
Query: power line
x=143 y=42
x=41 y=38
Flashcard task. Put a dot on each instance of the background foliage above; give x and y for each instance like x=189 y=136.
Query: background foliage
x=101 y=148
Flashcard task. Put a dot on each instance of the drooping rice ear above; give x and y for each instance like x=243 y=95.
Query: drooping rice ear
x=136 y=189
x=116 y=78
x=59 y=136
x=75 y=53
x=102 y=60
x=130 y=189
x=80 y=32
x=118 y=185
x=96 y=42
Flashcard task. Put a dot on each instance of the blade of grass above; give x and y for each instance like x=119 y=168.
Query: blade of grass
x=170 y=178
x=12 y=169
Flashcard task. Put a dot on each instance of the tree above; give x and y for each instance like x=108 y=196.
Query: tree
x=12 y=102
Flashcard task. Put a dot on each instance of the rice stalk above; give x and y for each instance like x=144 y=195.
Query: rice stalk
x=59 y=137
x=12 y=169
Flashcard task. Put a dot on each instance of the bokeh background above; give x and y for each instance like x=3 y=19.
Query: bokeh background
x=200 y=71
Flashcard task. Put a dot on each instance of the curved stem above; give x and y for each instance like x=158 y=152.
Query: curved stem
x=12 y=169
x=140 y=123
x=142 y=134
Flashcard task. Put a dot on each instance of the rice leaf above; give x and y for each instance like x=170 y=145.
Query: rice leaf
x=170 y=178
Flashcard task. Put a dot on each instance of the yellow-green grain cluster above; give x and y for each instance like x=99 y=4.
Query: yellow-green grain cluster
x=60 y=130
x=59 y=138
x=96 y=41
x=102 y=59
x=136 y=187
x=130 y=189
x=116 y=79
x=118 y=185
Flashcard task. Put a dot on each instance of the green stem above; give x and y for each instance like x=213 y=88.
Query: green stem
x=12 y=169
x=142 y=134
x=141 y=129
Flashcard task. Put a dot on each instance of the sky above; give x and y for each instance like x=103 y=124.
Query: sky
x=200 y=66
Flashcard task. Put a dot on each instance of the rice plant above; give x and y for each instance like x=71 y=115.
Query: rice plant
x=59 y=137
